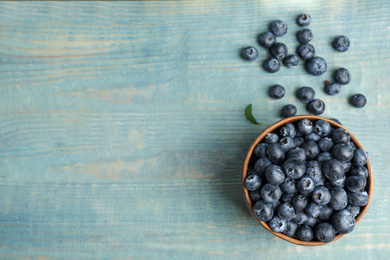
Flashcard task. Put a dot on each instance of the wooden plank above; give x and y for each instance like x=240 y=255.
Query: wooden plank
x=122 y=132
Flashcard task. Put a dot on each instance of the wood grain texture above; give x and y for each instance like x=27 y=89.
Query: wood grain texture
x=122 y=131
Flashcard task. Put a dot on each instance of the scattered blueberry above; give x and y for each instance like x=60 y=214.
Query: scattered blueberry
x=358 y=100
x=316 y=66
x=316 y=107
x=306 y=51
x=303 y=19
x=276 y=91
x=249 y=53
x=289 y=110
x=341 y=43
x=305 y=94
x=304 y=35
x=278 y=50
x=271 y=65
x=266 y=39
x=278 y=28
x=342 y=76
x=291 y=60
x=332 y=88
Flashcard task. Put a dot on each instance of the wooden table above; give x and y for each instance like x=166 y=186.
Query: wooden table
x=122 y=128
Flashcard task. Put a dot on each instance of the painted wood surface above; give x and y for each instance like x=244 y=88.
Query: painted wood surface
x=122 y=128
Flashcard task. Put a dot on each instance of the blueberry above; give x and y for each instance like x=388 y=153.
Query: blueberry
x=342 y=152
x=278 y=50
x=249 y=53
x=316 y=107
x=266 y=39
x=291 y=228
x=311 y=149
x=341 y=43
x=294 y=168
x=286 y=198
x=336 y=120
x=252 y=182
x=303 y=19
x=305 y=185
x=271 y=138
x=255 y=195
x=288 y=110
x=298 y=141
x=355 y=210
x=297 y=152
x=342 y=76
x=355 y=183
x=340 y=135
x=287 y=143
x=316 y=66
x=271 y=65
x=321 y=195
x=359 y=198
x=288 y=130
x=276 y=91
x=322 y=157
x=359 y=158
x=343 y=221
x=326 y=213
x=261 y=150
x=358 y=100
x=339 y=182
x=299 y=202
x=291 y=60
x=270 y=193
x=353 y=145
x=339 y=198
x=305 y=233
x=313 y=170
x=312 y=137
x=359 y=170
x=332 y=169
x=332 y=88
x=325 y=144
x=286 y=211
x=276 y=153
x=300 y=218
x=304 y=35
x=305 y=94
x=305 y=126
x=306 y=51
x=277 y=224
x=347 y=166
x=278 y=28
x=263 y=210
x=288 y=186
x=325 y=232
x=261 y=164
x=313 y=209
x=274 y=174
x=322 y=128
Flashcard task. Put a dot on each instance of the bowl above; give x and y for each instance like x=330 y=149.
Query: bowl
x=272 y=128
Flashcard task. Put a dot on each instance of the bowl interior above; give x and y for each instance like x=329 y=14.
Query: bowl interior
x=272 y=128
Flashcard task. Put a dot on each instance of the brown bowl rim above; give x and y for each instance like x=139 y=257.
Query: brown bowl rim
x=273 y=127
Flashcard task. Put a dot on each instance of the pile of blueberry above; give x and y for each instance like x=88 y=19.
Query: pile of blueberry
x=308 y=180
x=313 y=64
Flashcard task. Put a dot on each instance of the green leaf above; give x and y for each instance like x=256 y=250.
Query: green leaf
x=249 y=116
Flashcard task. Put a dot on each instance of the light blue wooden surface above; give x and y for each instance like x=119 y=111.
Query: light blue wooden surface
x=122 y=133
